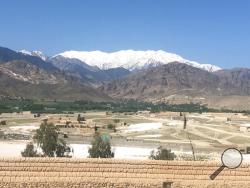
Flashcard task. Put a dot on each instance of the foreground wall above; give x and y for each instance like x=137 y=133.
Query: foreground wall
x=61 y=172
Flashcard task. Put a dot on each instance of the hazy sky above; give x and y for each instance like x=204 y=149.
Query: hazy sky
x=207 y=31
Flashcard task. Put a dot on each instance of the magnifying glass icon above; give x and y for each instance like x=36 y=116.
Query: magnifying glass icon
x=231 y=158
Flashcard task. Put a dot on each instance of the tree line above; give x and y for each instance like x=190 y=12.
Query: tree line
x=42 y=106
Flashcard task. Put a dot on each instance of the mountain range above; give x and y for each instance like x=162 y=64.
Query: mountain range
x=179 y=83
x=155 y=76
x=28 y=76
x=132 y=60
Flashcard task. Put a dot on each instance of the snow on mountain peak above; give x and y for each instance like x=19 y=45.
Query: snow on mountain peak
x=131 y=59
x=34 y=53
x=26 y=52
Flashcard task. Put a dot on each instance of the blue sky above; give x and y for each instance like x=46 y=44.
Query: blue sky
x=207 y=31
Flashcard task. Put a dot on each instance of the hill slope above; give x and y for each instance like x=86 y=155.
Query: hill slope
x=91 y=74
x=181 y=83
x=31 y=77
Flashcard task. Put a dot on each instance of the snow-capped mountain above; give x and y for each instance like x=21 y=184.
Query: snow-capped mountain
x=131 y=59
x=34 y=53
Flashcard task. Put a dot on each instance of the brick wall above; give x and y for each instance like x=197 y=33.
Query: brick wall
x=63 y=172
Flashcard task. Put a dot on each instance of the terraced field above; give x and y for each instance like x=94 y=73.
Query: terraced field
x=92 y=173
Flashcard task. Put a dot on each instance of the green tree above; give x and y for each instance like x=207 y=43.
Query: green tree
x=61 y=148
x=101 y=147
x=162 y=154
x=47 y=138
x=116 y=121
x=29 y=151
x=110 y=126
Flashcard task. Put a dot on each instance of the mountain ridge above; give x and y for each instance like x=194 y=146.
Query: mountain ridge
x=132 y=59
x=36 y=53
x=30 y=77
x=173 y=82
x=181 y=83
x=93 y=75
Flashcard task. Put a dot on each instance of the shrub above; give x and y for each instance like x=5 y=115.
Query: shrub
x=3 y=123
x=61 y=148
x=110 y=126
x=162 y=154
x=116 y=121
x=29 y=151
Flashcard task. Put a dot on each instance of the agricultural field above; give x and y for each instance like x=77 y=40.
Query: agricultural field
x=134 y=134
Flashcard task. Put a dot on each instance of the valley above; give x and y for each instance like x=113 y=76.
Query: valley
x=138 y=99
x=138 y=132
x=124 y=94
